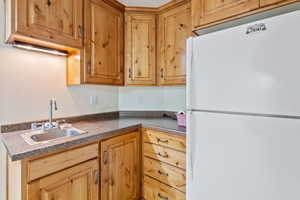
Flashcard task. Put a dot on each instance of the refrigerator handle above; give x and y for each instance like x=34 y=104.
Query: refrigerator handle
x=189 y=63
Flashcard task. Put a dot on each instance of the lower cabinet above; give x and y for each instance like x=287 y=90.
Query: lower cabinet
x=77 y=183
x=155 y=190
x=164 y=158
x=120 y=167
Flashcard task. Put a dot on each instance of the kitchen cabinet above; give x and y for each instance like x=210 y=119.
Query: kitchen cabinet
x=41 y=21
x=77 y=183
x=68 y=174
x=140 y=49
x=208 y=11
x=164 y=163
x=174 y=27
x=272 y=2
x=104 y=44
x=120 y=167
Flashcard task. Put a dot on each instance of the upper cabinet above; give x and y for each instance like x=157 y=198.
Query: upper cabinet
x=270 y=2
x=104 y=44
x=41 y=21
x=140 y=49
x=174 y=27
x=208 y=11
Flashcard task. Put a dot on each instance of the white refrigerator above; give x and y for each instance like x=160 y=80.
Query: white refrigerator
x=243 y=102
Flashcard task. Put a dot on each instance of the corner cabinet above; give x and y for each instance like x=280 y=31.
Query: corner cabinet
x=174 y=27
x=140 y=48
x=77 y=183
x=40 y=21
x=121 y=168
x=104 y=44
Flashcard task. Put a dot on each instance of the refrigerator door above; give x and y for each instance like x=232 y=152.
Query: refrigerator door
x=258 y=72
x=239 y=157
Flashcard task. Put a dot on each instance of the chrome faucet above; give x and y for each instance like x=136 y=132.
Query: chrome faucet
x=52 y=108
x=50 y=124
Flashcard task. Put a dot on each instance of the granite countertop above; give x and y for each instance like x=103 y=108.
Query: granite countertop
x=18 y=149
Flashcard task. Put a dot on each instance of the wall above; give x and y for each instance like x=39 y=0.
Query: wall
x=29 y=79
x=152 y=98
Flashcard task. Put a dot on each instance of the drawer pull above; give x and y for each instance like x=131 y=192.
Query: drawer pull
x=162 y=197
x=105 y=159
x=161 y=140
x=163 y=173
x=164 y=156
x=97 y=176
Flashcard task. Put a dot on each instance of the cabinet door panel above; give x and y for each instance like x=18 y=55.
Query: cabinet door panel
x=209 y=11
x=174 y=29
x=76 y=183
x=140 y=47
x=52 y=20
x=269 y=2
x=120 y=171
x=104 y=44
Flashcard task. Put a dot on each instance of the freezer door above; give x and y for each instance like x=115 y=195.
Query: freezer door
x=258 y=72
x=235 y=157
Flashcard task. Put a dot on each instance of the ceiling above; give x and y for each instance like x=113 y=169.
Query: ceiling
x=144 y=3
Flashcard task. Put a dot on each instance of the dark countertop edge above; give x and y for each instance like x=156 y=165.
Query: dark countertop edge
x=87 y=139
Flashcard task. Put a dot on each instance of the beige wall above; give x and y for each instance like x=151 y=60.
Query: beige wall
x=29 y=79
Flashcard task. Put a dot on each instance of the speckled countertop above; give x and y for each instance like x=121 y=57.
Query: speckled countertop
x=18 y=149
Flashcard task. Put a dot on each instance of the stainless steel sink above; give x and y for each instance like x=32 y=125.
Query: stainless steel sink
x=37 y=137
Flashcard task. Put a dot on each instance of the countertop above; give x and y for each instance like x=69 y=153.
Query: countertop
x=18 y=149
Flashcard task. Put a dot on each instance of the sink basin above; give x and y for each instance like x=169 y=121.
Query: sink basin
x=50 y=134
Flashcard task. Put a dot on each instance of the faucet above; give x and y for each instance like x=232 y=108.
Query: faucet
x=50 y=124
x=52 y=108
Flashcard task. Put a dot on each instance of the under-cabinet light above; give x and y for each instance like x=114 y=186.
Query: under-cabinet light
x=38 y=48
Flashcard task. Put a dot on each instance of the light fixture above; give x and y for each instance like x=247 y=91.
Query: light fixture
x=30 y=47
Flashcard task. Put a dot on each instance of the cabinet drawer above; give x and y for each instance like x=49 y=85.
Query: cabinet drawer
x=53 y=163
x=164 y=139
x=167 y=174
x=163 y=154
x=154 y=190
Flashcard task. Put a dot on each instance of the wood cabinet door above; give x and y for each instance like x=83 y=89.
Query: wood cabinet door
x=140 y=49
x=51 y=20
x=120 y=167
x=174 y=29
x=77 y=183
x=104 y=29
x=209 y=11
x=270 y=2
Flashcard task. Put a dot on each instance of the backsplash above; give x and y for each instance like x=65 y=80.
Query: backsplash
x=152 y=98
